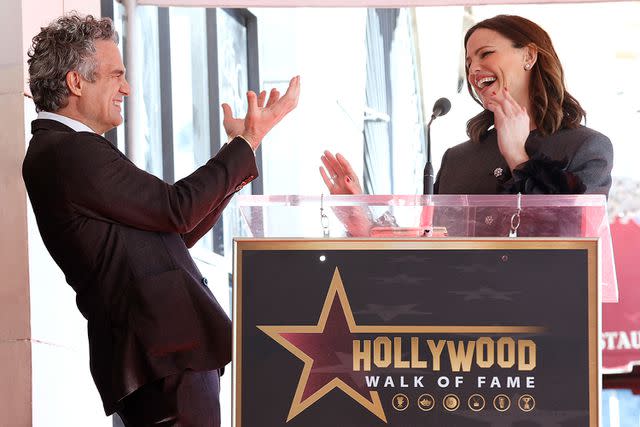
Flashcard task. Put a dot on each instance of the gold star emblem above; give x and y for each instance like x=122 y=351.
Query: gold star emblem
x=289 y=338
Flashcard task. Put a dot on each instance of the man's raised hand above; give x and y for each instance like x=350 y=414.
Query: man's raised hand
x=261 y=118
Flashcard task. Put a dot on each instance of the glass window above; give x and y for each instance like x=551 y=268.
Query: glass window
x=232 y=64
x=233 y=84
x=148 y=93
x=189 y=89
x=189 y=93
x=148 y=136
x=620 y=408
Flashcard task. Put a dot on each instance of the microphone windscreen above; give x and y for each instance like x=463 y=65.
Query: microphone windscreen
x=441 y=107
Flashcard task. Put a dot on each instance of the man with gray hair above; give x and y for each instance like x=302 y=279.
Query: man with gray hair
x=158 y=338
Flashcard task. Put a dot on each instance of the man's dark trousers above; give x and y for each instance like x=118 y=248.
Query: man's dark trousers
x=188 y=399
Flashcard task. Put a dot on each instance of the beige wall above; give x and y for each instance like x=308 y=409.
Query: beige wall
x=15 y=330
x=44 y=374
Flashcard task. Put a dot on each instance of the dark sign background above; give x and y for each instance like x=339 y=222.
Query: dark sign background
x=410 y=287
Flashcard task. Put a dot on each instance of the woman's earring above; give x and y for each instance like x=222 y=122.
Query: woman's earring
x=527 y=67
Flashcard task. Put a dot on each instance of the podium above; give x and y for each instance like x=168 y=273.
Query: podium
x=420 y=310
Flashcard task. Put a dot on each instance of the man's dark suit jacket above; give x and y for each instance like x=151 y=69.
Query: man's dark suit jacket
x=120 y=235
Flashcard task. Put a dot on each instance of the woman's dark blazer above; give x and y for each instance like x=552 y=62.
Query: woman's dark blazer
x=120 y=236
x=479 y=168
x=570 y=161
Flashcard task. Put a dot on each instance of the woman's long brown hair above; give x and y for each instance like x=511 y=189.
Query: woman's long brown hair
x=553 y=107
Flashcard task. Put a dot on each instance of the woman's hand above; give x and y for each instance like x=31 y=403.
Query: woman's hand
x=513 y=126
x=338 y=175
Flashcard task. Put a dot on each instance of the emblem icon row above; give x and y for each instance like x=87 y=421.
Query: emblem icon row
x=451 y=402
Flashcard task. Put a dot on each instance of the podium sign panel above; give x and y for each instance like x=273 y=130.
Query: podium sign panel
x=441 y=332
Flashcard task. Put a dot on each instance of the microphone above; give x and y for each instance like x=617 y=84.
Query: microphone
x=440 y=108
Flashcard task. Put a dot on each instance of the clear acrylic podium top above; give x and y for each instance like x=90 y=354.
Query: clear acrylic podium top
x=437 y=216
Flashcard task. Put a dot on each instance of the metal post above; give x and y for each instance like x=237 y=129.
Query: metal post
x=132 y=144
